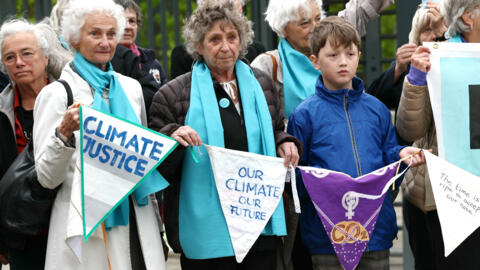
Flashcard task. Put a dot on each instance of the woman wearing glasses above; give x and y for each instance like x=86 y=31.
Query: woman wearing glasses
x=32 y=56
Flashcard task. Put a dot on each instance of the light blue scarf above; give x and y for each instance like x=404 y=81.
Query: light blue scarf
x=121 y=107
x=203 y=230
x=299 y=76
x=457 y=39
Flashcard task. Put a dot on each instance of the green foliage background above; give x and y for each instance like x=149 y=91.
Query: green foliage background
x=387 y=23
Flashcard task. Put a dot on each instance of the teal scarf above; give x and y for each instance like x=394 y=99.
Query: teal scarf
x=203 y=230
x=299 y=76
x=457 y=39
x=121 y=107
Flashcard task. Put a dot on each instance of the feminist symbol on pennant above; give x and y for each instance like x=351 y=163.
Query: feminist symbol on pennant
x=350 y=202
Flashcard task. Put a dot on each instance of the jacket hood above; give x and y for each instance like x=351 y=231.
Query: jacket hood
x=337 y=96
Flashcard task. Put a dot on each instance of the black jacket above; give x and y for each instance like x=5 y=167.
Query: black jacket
x=150 y=65
x=8 y=153
x=127 y=63
x=389 y=93
x=181 y=62
x=168 y=111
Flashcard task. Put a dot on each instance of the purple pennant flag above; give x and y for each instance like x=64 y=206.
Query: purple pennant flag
x=348 y=207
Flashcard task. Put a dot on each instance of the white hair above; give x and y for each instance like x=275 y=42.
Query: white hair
x=280 y=12
x=47 y=41
x=73 y=17
x=453 y=10
x=419 y=22
x=57 y=13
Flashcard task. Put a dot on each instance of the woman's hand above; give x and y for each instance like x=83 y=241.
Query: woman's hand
x=70 y=121
x=289 y=151
x=421 y=59
x=417 y=156
x=437 y=23
x=404 y=56
x=186 y=136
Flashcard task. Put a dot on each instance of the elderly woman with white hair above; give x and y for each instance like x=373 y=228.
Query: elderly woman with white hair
x=293 y=21
x=33 y=57
x=131 y=239
x=415 y=122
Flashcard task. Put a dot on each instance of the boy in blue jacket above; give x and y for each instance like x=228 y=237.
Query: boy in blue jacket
x=344 y=129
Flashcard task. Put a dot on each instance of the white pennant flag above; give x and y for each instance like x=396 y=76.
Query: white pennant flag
x=457 y=195
x=250 y=187
x=116 y=156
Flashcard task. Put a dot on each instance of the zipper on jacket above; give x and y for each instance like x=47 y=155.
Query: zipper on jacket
x=352 y=136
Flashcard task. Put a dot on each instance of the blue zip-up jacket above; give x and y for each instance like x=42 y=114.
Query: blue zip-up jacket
x=348 y=131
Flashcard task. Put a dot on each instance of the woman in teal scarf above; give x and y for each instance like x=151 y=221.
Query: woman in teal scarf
x=131 y=235
x=415 y=122
x=222 y=102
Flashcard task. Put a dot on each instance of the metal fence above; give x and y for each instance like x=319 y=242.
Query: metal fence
x=163 y=20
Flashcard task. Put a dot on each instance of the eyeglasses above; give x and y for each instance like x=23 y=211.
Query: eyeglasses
x=25 y=55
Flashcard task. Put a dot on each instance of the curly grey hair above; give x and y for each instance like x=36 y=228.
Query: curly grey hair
x=73 y=17
x=280 y=12
x=47 y=41
x=203 y=18
x=453 y=11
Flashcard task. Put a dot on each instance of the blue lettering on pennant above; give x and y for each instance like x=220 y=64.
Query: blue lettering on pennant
x=85 y=124
x=127 y=161
x=122 y=136
x=106 y=155
x=89 y=143
x=146 y=142
x=140 y=168
x=155 y=150
x=98 y=132
x=91 y=153
x=133 y=142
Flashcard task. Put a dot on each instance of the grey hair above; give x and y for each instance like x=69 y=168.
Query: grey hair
x=419 y=22
x=57 y=13
x=280 y=12
x=73 y=18
x=130 y=4
x=453 y=10
x=203 y=18
x=47 y=41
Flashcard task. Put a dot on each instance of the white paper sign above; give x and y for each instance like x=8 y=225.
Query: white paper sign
x=116 y=156
x=457 y=195
x=250 y=187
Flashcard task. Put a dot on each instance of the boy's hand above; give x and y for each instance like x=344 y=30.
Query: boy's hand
x=289 y=151
x=417 y=156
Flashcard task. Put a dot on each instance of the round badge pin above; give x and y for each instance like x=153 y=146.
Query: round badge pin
x=224 y=103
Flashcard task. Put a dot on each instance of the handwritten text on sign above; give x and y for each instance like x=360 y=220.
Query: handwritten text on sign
x=249 y=184
x=250 y=188
x=133 y=150
x=458 y=194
